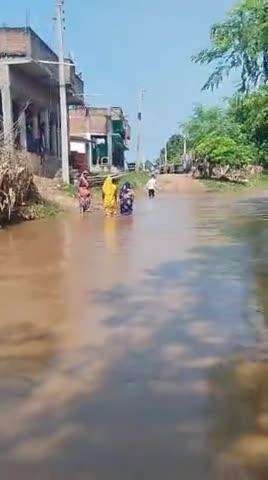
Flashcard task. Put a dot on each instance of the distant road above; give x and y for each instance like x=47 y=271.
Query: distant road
x=179 y=183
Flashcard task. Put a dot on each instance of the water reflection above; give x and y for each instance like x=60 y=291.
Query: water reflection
x=240 y=407
x=132 y=329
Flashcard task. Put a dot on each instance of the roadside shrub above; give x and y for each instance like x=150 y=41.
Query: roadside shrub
x=222 y=150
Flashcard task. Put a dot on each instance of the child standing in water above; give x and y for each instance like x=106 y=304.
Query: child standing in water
x=151 y=186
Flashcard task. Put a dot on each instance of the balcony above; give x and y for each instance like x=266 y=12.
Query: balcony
x=23 y=48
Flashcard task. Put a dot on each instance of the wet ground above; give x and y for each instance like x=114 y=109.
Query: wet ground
x=135 y=348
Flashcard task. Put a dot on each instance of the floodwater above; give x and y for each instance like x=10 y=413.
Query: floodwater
x=136 y=348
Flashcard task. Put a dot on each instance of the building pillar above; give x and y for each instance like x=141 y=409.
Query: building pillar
x=22 y=128
x=47 y=130
x=35 y=125
x=7 y=106
x=89 y=153
x=58 y=132
x=45 y=121
x=110 y=139
x=54 y=137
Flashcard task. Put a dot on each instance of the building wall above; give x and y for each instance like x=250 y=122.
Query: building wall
x=23 y=85
x=13 y=42
x=39 y=49
x=84 y=121
x=92 y=124
x=24 y=42
x=78 y=122
x=97 y=124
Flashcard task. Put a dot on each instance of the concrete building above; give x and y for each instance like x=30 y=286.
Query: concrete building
x=29 y=91
x=99 y=138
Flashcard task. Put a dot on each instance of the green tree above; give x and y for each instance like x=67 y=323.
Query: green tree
x=223 y=150
x=239 y=43
x=207 y=120
x=251 y=112
x=215 y=134
x=174 y=150
x=236 y=134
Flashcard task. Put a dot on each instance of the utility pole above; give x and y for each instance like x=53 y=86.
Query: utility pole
x=184 y=157
x=110 y=138
x=166 y=156
x=63 y=96
x=184 y=145
x=139 y=133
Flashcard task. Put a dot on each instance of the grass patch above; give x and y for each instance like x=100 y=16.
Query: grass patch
x=136 y=179
x=219 y=186
x=69 y=189
x=41 y=210
x=258 y=182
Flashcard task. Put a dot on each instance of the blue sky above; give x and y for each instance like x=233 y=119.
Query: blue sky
x=124 y=45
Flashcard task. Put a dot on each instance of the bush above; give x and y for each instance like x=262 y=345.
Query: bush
x=222 y=150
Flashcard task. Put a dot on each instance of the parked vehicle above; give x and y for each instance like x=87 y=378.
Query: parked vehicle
x=131 y=167
x=172 y=168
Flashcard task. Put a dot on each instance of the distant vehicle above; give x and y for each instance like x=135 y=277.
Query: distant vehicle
x=131 y=167
x=177 y=168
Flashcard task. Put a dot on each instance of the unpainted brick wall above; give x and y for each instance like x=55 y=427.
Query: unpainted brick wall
x=13 y=42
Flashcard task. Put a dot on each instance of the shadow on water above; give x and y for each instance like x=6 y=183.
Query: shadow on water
x=164 y=381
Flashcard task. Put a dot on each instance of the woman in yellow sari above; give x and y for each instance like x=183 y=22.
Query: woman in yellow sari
x=109 y=192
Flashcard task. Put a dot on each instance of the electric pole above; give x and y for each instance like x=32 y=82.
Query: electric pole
x=110 y=138
x=166 y=157
x=139 y=133
x=184 y=145
x=63 y=96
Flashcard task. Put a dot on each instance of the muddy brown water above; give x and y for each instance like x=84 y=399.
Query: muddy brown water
x=135 y=348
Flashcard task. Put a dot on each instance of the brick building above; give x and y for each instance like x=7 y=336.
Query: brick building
x=99 y=138
x=29 y=91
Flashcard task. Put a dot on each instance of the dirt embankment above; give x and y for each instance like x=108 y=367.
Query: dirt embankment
x=180 y=184
x=53 y=191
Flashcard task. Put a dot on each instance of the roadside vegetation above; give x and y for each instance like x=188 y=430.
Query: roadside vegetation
x=136 y=179
x=234 y=135
x=256 y=182
x=40 y=210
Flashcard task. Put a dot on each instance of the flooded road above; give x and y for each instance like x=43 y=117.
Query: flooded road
x=134 y=348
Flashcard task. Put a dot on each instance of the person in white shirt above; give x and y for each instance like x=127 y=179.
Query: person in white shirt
x=151 y=186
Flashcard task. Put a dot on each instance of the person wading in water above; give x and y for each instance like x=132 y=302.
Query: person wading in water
x=84 y=196
x=109 y=193
x=126 y=198
x=151 y=186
